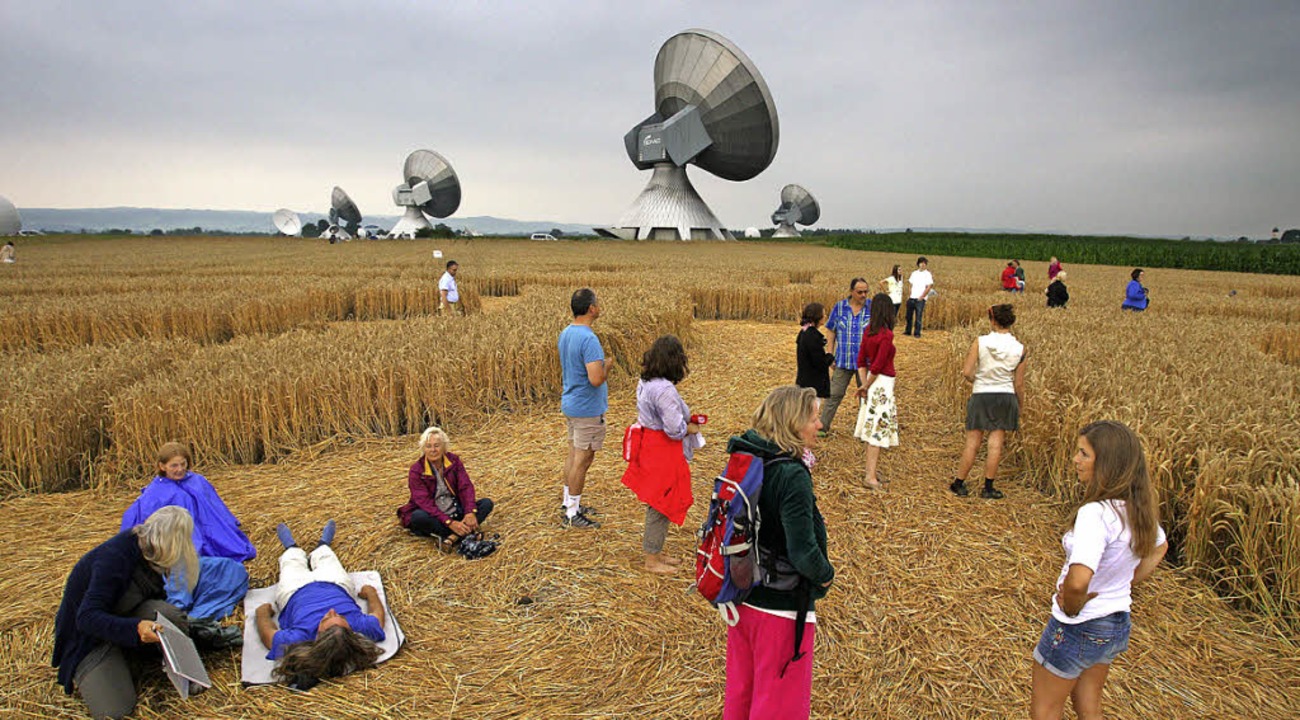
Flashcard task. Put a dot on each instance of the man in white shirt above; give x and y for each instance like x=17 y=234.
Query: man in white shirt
x=449 y=296
x=922 y=282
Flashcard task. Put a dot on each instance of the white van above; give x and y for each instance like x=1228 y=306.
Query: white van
x=542 y=236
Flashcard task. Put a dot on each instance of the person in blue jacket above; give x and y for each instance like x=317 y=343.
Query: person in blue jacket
x=1135 y=297
x=110 y=605
x=216 y=531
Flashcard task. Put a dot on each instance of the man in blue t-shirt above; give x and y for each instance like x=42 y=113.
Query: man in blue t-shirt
x=323 y=632
x=584 y=402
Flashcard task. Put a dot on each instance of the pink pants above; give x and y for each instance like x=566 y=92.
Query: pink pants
x=758 y=648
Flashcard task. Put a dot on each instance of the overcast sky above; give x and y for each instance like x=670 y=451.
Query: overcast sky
x=1168 y=117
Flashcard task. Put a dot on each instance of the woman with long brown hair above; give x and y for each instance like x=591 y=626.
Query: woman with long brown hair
x=878 y=415
x=1114 y=541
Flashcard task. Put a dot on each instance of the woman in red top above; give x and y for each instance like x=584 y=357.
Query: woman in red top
x=878 y=413
x=1009 y=277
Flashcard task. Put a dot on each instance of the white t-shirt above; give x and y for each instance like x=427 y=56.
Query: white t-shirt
x=1000 y=355
x=1101 y=541
x=920 y=280
x=448 y=283
x=895 y=289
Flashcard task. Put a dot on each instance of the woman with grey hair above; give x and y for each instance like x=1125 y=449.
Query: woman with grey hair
x=110 y=604
x=443 y=502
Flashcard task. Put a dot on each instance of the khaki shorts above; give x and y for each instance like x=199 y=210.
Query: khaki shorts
x=586 y=433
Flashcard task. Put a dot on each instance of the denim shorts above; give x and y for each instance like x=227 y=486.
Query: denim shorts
x=1067 y=650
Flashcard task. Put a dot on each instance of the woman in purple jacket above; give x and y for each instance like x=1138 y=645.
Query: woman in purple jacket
x=440 y=493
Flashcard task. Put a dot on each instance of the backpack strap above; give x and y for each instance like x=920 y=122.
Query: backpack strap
x=730 y=614
x=804 y=595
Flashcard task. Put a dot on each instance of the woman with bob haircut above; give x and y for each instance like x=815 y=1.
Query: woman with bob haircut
x=110 y=605
x=995 y=367
x=764 y=680
x=322 y=630
x=1114 y=541
x=878 y=415
x=443 y=502
x=1135 y=295
x=660 y=449
x=812 y=362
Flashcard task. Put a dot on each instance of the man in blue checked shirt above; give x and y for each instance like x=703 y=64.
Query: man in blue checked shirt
x=844 y=328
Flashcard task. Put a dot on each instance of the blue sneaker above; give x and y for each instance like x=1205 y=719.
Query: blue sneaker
x=327 y=533
x=286 y=537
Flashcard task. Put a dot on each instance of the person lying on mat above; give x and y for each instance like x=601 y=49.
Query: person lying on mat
x=322 y=632
x=110 y=606
x=442 y=500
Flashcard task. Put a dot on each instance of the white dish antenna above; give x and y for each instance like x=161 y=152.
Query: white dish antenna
x=431 y=188
x=712 y=109
x=797 y=206
x=11 y=223
x=287 y=222
x=344 y=213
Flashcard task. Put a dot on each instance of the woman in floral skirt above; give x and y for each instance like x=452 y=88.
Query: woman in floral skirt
x=878 y=413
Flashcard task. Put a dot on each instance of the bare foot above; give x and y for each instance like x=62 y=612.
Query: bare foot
x=665 y=557
x=655 y=565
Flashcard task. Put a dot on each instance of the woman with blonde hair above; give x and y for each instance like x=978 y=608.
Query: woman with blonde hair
x=764 y=680
x=1114 y=541
x=110 y=604
x=443 y=502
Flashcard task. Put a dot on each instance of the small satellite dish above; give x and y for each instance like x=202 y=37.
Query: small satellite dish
x=287 y=222
x=712 y=109
x=344 y=212
x=431 y=188
x=797 y=206
x=11 y=223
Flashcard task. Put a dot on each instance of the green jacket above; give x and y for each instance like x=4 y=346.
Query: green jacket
x=790 y=520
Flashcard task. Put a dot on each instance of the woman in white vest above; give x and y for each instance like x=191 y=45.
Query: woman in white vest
x=995 y=366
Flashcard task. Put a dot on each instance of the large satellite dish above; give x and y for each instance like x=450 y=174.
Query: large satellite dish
x=431 y=188
x=287 y=222
x=712 y=109
x=11 y=223
x=345 y=218
x=797 y=206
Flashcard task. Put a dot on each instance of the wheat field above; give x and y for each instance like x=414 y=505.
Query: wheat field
x=290 y=364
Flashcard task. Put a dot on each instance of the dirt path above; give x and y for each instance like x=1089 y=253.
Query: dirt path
x=937 y=603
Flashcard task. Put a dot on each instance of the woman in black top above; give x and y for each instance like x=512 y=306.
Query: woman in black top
x=812 y=360
x=1057 y=294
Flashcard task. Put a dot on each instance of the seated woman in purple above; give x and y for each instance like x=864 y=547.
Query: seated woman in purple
x=443 y=502
x=216 y=531
x=323 y=632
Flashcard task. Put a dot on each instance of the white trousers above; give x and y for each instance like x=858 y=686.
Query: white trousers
x=297 y=570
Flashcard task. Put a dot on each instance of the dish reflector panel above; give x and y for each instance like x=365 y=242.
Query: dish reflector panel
x=442 y=195
x=342 y=208
x=287 y=222
x=11 y=223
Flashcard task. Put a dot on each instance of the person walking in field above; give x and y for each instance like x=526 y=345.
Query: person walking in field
x=893 y=286
x=661 y=449
x=1135 y=295
x=1114 y=541
x=845 y=326
x=1057 y=294
x=448 y=293
x=444 y=503
x=921 y=282
x=765 y=679
x=584 y=402
x=995 y=365
x=877 y=424
x=812 y=362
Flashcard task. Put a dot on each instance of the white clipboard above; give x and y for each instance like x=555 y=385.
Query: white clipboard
x=181 y=660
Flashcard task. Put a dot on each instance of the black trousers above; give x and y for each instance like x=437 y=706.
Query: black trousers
x=422 y=523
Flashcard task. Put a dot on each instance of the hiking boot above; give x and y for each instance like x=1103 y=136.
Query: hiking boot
x=958 y=488
x=991 y=494
x=580 y=521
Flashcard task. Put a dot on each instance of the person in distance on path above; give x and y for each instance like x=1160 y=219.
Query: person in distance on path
x=448 y=293
x=921 y=282
x=322 y=632
x=1115 y=540
x=443 y=502
x=995 y=366
x=848 y=320
x=584 y=402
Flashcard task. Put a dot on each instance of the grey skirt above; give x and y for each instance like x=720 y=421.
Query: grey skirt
x=993 y=411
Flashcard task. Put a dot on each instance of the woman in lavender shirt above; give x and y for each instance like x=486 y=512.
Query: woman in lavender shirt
x=659 y=448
